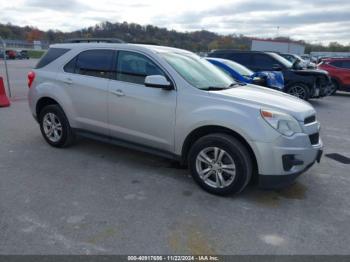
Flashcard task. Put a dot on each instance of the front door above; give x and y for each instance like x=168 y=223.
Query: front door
x=139 y=114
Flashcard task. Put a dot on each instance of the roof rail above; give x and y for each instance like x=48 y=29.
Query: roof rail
x=94 y=40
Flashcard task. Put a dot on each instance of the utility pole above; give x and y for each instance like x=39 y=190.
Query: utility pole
x=6 y=69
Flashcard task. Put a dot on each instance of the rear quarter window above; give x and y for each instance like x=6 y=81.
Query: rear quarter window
x=51 y=55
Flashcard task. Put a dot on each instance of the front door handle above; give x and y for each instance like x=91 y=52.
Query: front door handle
x=68 y=81
x=118 y=92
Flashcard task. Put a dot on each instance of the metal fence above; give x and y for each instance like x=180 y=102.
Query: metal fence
x=20 y=44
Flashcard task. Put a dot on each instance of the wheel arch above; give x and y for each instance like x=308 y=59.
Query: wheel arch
x=43 y=102
x=337 y=81
x=210 y=129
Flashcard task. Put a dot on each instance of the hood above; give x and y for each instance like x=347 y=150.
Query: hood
x=311 y=72
x=265 y=98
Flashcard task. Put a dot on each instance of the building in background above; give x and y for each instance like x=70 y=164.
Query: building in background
x=278 y=46
x=330 y=54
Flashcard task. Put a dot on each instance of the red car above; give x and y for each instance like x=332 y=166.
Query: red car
x=339 y=71
x=11 y=54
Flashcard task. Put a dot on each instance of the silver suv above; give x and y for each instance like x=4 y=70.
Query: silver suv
x=172 y=103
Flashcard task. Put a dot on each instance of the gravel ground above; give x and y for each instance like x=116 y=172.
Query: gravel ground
x=95 y=198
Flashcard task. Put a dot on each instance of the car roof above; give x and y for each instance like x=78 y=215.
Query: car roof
x=337 y=59
x=235 y=51
x=134 y=47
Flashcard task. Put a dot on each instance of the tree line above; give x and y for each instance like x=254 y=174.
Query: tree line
x=198 y=41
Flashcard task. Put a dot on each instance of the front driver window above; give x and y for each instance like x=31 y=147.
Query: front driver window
x=133 y=67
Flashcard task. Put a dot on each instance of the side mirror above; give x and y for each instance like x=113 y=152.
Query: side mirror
x=276 y=67
x=158 y=81
x=297 y=65
x=258 y=81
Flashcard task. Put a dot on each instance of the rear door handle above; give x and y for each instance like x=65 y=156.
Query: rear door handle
x=118 y=92
x=68 y=81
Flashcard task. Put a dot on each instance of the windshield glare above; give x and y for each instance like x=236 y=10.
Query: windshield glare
x=239 y=68
x=197 y=71
x=282 y=60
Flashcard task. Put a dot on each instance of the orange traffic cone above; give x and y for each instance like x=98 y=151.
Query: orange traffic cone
x=4 y=101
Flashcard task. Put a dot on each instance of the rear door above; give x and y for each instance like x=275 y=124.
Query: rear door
x=342 y=72
x=86 y=80
x=263 y=62
x=241 y=58
x=139 y=114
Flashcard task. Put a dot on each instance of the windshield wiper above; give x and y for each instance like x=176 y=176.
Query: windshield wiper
x=214 y=88
x=235 y=84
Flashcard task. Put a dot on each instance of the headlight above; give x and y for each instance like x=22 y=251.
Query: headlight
x=283 y=123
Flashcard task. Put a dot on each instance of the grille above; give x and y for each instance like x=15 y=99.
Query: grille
x=314 y=138
x=309 y=120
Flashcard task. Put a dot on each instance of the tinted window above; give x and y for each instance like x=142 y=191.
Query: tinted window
x=95 y=63
x=70 y=67
x=134 y=67
x=263 y=61
x=51 y=55
x=337 y=63
x=346 y=64
x=241 y=58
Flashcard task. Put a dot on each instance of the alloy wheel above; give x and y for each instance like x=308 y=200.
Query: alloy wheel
x=52 y=127
x=215 y=167
x=298 y=91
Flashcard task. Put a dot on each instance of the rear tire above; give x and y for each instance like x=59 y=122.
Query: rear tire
x=55 y=127
x=220 y=164
x=299 y=90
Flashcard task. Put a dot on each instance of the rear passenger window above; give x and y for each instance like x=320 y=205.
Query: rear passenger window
x=133 y=67
x=241 y=58
x=346 y=64
x=337 y=64
x=97 y=63
x=264 y=61
x=51 y=55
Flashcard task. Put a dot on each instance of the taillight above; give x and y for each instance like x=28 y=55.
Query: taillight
x=31 y=77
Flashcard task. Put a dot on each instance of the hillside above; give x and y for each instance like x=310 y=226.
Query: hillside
x=135 y=33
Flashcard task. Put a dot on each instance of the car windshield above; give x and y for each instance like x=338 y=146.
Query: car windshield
x=197 y=71
x=282 y=60
x=242 y=70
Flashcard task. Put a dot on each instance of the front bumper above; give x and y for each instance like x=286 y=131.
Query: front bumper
x=280 y=181
x=282 y=161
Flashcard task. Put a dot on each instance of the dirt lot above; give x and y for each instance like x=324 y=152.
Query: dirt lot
x=97 y=198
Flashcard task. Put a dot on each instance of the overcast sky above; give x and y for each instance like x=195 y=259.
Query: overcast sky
x=313 y=20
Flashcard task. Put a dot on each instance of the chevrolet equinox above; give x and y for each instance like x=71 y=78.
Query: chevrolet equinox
x=172 y=103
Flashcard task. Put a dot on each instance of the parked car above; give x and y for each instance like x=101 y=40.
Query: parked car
x=23 y=54
x=304 y=84
x=242 y=74
x=11 y=54
x=339 y=70
x=172 y=103
x=298 y=61
x=306 y=57
x=2 y=54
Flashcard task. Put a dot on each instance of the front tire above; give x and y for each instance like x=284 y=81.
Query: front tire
x=220 y=164
x=299 y=90
x=55 y=127
x=335 y=87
